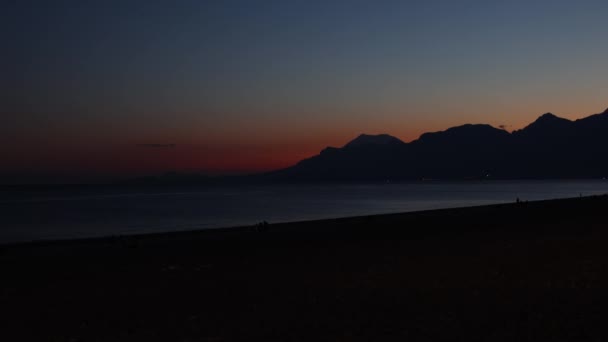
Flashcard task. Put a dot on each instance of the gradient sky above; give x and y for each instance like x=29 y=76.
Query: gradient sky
x=90 y=87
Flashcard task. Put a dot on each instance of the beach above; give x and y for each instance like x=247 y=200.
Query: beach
x=524 y=271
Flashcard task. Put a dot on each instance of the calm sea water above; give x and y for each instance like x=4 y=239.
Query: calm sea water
x=87 y=213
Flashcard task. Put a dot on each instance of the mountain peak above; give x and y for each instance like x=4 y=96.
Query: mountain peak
x=549 y=118
x=550 y=147
x=546 y=123
x=467 y=132
x=379 y=139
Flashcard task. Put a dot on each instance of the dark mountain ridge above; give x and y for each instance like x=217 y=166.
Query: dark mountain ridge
x=550 y=147
x=380 y=139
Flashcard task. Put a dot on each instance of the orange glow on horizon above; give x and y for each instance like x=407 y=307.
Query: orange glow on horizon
x=238 y=151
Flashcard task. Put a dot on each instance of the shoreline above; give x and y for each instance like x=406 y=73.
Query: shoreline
x=517 y=271
x=299 y=227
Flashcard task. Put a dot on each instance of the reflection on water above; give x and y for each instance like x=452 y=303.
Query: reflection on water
x=84 y=213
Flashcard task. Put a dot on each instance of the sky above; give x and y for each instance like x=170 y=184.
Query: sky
x=94 y=90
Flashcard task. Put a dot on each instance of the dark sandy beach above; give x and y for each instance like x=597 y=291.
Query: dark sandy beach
x=515 y=272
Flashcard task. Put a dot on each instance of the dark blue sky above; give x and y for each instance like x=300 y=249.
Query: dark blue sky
x=215 y=77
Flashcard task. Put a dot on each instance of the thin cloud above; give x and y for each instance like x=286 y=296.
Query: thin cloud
x=157 y=145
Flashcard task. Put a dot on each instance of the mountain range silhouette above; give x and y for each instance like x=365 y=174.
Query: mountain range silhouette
x=550 y=147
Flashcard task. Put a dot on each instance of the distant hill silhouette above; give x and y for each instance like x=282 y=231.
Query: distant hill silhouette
x=550 y=147
x=380 y=139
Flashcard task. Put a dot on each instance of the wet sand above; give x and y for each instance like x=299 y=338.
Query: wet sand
x=511 y=272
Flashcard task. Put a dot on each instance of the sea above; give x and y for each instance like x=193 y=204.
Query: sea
x=81 y=212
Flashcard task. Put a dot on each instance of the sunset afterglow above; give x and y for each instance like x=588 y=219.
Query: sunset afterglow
x=91 y=88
